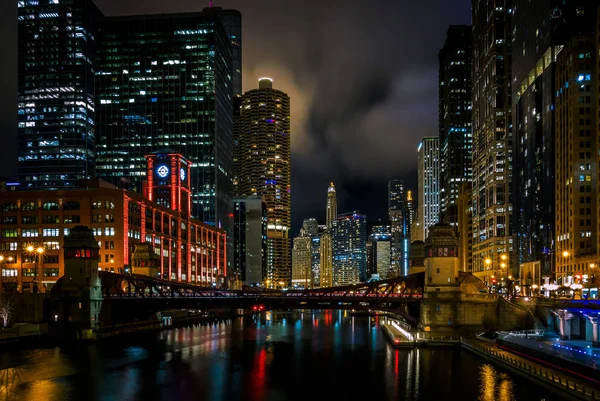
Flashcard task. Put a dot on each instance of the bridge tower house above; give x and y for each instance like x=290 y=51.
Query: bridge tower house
x=441 y=295
x=77 y=306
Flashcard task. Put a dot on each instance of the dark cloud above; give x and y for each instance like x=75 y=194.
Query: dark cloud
x=362 y=77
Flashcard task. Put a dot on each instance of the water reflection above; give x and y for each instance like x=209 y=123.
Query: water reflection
x=494 y=385
x=310 y=355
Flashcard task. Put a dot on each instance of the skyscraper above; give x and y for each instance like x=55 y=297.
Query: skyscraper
x=165 y=81
x=250 y=240
x=410 y=209
x=429 y=190
x=302 y=262
x=540 y=30
x=454 y=118
x=349 y=237
x=492 y=138
x=326 y=260
x=331 y=209
x=577 y=153
x=56 y=102
x=399 y=220
x=380 y=240
x=232 y=23
x=264 y=169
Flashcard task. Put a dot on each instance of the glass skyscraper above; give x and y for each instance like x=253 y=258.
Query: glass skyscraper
x=455 y=118
x=165 y=81
x=56 y=92
x=400 y=228
x=349 y=237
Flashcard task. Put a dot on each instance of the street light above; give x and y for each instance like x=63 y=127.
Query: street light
x=565 y=254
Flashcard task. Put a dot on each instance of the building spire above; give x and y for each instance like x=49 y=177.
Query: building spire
x=331 y=211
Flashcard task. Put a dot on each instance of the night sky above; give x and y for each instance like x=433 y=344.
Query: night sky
x=362 y=77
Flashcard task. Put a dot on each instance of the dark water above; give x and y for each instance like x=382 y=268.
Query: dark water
x=286 y=356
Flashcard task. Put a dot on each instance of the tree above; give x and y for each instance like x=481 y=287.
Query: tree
x=5 y=310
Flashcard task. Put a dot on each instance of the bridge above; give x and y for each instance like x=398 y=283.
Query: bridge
x=126 y=297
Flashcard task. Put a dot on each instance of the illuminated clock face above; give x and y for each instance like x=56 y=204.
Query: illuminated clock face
x=162 y=171
x=182 y=174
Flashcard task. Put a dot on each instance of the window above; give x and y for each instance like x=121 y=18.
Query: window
x=50 y=258
x=29 y=272
x=9 y=207
x=51 y=232
x=50 y=272
x=71 y=206
x=51 y=219
x=29 y=219
x=29 y=207
x=109 y=231
x=9 y=220
x=50 y=206
x=29 y=232
x=8 y=246
x=97 y=205
x=51 y=245
x=71 y=218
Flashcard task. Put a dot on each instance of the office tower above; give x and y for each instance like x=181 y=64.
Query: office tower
x=465 y=227
x=428 y=169
x=416 y=233
x=331 y=209
x=232 y=23
x=492 y=139
x=540 y=30
x=250 y=240
x=416 y=257
x=454 y=118
x=410 y=210
x=310 y=227
x=326 y=260
x=56 y=102
x=302 y=262
x=315 y=250
x=399 y=219
x=577 y=154
x=237 y=126
x=349 y=237
x=164 y=81
x=264 y=168
x=381 y=244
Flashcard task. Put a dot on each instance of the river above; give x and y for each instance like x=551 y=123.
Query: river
x=320 y=355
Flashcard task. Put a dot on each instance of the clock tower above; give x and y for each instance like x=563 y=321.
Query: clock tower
x=168 y=177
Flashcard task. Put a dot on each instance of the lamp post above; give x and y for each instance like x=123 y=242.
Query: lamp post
x=38 y=251
x=488 y=263
x=2 y=271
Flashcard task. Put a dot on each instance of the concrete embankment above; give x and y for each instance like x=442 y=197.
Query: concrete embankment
x=571 y=386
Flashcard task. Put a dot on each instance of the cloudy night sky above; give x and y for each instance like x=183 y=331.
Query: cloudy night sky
x=362 y=77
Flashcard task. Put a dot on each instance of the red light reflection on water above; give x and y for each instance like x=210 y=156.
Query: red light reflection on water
x=258 y=376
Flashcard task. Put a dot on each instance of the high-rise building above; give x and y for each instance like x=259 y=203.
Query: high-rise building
x=416 y=233
x=56 y=101
x=410 y=209
x=381 y=244
x=331 y=209
x=540 y=30
x=465 y=227
x=326 y=260
x=577 y=153
x=454 y=118
x=492 y=138
x=349 y=236
x=428 y=170
x=315 y=251
x=264 y=169
x=250 y=240
x=232 y=23
x=310 y=227
x=399 y=220
x=165 y=81
x=302 y=262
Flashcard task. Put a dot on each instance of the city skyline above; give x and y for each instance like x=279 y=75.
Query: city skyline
x=375 y=103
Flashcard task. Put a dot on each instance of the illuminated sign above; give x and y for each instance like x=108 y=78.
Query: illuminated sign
x=182 y=174
x=162 y=171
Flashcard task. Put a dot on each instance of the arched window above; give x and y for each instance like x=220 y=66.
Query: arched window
x=50 y=206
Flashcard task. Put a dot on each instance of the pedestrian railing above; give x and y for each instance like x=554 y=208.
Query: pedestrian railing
x=546 y=375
